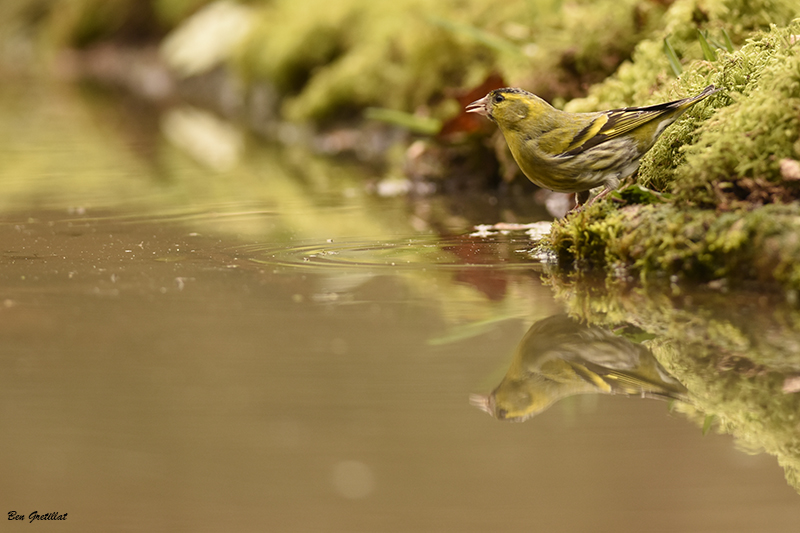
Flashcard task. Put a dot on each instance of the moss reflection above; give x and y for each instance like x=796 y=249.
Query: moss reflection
x=738 y=355
x=560 y=357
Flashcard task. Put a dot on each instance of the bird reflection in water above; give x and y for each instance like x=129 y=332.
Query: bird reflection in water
x=560 y=357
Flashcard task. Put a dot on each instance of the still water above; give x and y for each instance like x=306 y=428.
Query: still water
x=252 y=342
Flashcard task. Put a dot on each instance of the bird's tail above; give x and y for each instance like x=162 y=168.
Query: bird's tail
x=688 y=102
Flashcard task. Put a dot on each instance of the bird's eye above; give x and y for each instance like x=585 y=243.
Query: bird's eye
x=502 y=413
x=498 y=98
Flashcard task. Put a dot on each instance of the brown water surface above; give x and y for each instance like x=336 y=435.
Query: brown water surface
x=262 y=345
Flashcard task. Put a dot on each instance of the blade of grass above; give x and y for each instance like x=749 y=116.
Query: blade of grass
x=707 y=423
x=718 y=45
x=672 y=57
x=728 y=42
x=708 y=52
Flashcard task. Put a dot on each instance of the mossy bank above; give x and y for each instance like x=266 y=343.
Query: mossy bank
x=729 y=177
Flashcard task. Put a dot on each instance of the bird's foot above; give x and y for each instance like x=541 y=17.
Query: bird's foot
x=582 y=200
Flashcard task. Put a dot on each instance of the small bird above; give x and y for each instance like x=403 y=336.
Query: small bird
x=576 y=152
x=560 y=357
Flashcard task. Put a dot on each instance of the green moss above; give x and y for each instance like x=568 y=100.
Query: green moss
x=407 y=54
x=647 y=77
x=658 y=241
x=768 y=55
x=738 y=153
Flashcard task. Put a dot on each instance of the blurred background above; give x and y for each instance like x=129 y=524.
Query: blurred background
x=380 y=83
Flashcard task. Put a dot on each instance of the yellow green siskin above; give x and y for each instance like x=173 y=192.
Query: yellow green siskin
x=560 y=357
x=576 y=152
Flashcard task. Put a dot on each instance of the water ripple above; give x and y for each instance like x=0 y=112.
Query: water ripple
x=480 y=250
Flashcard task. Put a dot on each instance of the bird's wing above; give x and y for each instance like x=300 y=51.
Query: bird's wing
x=635 y=381
x=618 y=122
x=615 y=123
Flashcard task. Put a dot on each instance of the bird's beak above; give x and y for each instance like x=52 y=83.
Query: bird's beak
x=479 y=106
x=484 y=403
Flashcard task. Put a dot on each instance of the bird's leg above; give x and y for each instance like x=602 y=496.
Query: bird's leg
x=580 y=200
x=602 y=194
